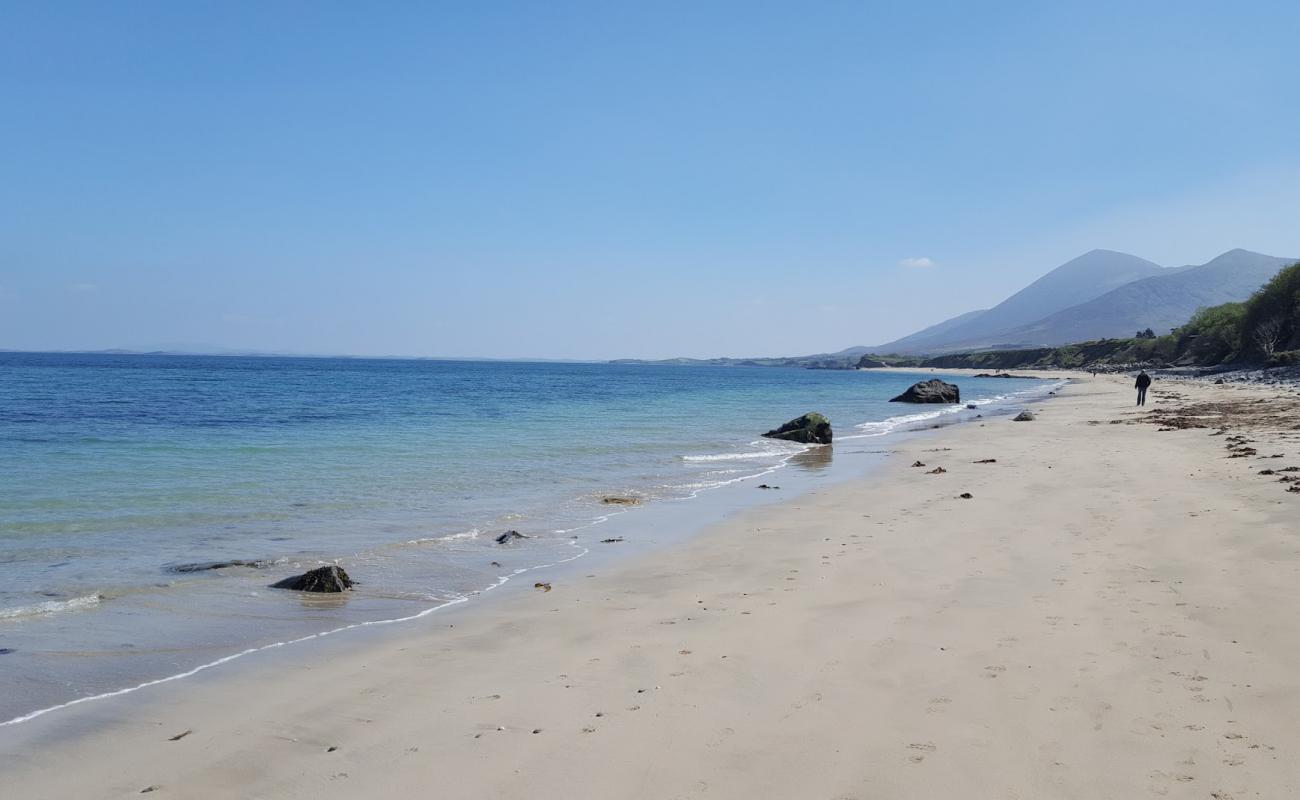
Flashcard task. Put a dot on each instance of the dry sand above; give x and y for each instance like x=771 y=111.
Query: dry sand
x=1111 y=614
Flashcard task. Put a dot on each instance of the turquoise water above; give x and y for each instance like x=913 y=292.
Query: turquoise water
x=118 y=470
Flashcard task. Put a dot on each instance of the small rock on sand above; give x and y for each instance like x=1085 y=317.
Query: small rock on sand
x=936 y=471
x=620 y=501
x=918 y=464
x=1024 y=416
x=545 y=587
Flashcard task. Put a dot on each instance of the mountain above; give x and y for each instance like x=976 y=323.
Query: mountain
x=1159 y=303
x=1077 y=281
x=927 y=336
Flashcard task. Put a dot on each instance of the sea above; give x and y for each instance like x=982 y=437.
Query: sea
x=125 y=478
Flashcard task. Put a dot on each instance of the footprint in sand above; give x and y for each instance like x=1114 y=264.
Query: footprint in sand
x=920 y=748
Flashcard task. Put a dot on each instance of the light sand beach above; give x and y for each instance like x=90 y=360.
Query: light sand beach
x=1111 y=613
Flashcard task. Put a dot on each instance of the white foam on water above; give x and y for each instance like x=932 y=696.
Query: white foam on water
x=766 y=448
x=903 y=421
x=51 y=607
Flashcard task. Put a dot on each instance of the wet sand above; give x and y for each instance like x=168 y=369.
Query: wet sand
x=1110 y=613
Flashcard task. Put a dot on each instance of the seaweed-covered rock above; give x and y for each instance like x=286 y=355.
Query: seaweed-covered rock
x=811 y=428
x=931 y=391
x=322 y=579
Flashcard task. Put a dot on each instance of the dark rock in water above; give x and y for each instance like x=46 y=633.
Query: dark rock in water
x=1024 y=416
x=765 y=486
x=510 y=536
x=322 y=579
x=620 y=501
x=965 y=495
x=972 y=406
x=811 y=428
x=1218 y=382
x=931 y=391
x=4 y=651
x=204 y=566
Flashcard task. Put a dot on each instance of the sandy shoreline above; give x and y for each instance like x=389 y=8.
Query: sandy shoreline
x=1111 y=614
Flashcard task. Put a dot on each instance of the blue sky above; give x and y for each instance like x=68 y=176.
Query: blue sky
x=593 y=180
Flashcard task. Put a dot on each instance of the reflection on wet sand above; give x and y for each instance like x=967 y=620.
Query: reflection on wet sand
x=815 y=458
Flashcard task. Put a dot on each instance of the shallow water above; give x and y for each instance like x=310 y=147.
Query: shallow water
x=117 y=470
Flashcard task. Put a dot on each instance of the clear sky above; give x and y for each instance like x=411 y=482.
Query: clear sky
x=606 y=179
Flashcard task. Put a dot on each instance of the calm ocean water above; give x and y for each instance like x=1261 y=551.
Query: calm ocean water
x=116 y=470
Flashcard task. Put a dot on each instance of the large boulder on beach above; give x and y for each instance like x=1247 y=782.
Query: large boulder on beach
x=811 y=428
x=931 y=391
x=322 y=579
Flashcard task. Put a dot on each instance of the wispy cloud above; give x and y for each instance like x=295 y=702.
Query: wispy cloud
x=919 y=262
x=83 y=288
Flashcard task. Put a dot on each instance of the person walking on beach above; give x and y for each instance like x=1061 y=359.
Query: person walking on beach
x=1143 y=381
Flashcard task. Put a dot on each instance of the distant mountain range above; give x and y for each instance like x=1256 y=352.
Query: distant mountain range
x=1101 y=294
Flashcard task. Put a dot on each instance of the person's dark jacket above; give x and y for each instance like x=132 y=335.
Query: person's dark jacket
x=1143 y=381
